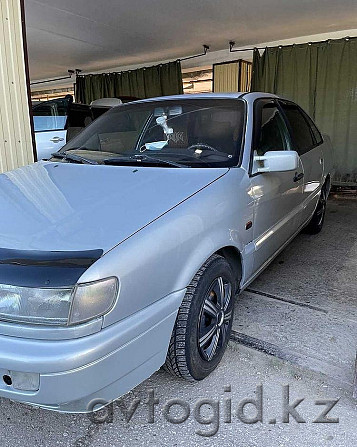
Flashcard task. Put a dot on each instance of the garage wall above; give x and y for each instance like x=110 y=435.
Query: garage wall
x=15 y=130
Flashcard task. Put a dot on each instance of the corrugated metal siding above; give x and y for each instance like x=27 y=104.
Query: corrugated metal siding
x=15 y=129
x=232 y=76
x=225 y=77
x=245 y=76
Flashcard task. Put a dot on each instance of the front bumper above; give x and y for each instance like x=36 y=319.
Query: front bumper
x=79 y=373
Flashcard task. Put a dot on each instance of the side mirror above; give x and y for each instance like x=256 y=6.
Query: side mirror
x=276 y=161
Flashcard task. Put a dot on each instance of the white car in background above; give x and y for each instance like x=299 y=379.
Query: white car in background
x=59 y=120
x=49 y=118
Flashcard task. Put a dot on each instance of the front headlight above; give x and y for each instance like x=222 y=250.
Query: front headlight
x=57 y=306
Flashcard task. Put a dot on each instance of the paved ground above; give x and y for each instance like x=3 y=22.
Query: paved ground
x=302 y=311
x=305 y=303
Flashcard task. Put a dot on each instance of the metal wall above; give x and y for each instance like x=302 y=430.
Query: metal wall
x=226 y=77
x=15 y=129
x=232 y=76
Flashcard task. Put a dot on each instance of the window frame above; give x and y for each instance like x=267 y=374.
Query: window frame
x=258 y=105
x=308 y=120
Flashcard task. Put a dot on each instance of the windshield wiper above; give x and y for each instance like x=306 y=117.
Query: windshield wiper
x=161 y=160
x=142 y=158
x=74 y=157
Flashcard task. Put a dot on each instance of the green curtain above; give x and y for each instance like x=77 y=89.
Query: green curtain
x=159 y=80
x=322 y=78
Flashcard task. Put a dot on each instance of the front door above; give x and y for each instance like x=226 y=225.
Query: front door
x=49 y=119
x=277 y=195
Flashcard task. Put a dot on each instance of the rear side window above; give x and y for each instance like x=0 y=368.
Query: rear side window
x=302 y=132
x=315 y=131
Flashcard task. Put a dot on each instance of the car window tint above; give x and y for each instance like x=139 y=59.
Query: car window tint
x=273 y=132
x=301 y=132
x=315 y=131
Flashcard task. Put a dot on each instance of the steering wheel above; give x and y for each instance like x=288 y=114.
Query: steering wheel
x=203 y=146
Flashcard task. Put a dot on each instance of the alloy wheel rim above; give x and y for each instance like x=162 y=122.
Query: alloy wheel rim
x=215 y=317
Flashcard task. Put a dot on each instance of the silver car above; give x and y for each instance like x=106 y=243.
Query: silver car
x=125 y=251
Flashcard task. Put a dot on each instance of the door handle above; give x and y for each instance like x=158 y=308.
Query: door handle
x=56 y=139
x=298 y=177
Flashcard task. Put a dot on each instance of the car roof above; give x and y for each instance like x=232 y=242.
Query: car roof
x=248 y=96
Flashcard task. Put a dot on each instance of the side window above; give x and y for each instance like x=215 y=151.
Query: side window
x=273 y=134
x=302 y=133
x=315 y=131
x=50 y=115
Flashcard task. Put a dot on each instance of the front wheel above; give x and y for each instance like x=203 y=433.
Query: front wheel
x=317 y=221
x=204 y=322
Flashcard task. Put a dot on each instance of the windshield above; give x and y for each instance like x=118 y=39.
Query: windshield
x=196 y=133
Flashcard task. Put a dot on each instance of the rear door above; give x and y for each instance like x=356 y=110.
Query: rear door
x=277 y=195
x=307 y=142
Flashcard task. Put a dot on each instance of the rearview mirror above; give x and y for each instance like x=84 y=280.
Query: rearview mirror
x=276 y=161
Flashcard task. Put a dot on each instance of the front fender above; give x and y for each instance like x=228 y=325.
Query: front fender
x=164 y=256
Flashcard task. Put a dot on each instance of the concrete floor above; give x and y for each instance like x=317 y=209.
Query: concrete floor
x=305 y=303
x=302 y=311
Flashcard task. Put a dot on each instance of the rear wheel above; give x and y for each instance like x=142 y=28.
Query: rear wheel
x=317 y=221
x=204 y=322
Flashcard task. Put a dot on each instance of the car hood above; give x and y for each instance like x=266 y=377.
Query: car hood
x=62 y=206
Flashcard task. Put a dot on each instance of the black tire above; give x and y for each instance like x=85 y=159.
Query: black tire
x=204 y=322
x=317 y=221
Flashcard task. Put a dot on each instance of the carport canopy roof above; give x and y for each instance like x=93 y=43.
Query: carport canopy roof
x=98 y=34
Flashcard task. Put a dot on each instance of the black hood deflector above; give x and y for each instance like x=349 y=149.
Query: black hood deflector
x=31 y=268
